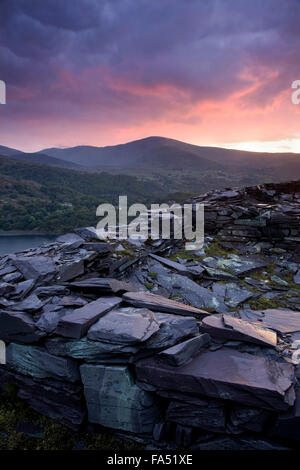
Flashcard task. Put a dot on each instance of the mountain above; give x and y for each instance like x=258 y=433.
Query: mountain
x=37 y=157
x=160 y=152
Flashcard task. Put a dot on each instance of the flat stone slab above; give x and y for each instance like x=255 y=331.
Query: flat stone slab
x=161 y=304
x=173 y=328
x=284 y=321
x=102 y=285
x=35 y=266
x=90 y=351
x=125 y=326
x=113 y=400
x=18 y=327
x=76 y=324
x=183 y=352
x=37 y=362
x=171 y=264
x=227 y=374
x=31 y=304
x=70 y=271
x=230 y=328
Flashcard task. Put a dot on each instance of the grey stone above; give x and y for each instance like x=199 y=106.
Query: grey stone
x=102 y=285
x=173 y=328
x=192 y=292
x=283 y=321
x=183 y=352
x=235 y=295
x=297 y=277
x=37 y=362
x=35 y=267
x=31 y=304
x=7 y=269
x=12 y=277
x=69 y=238
x=125 y=326
x=171 y=264
x=70 y=271
x=161 y=304
x=49 y=291
x=6 y=288
x=227 y=374
x=18 y=327
x=226 y=327
x=209 y=416
x=113 y=399
x=91 y=351
x=76 y=324
x=23 y=288
x=49 y=320
x=87 y=233
x=70 y=301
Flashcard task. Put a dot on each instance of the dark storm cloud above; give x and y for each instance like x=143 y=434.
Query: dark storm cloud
x=116 y=58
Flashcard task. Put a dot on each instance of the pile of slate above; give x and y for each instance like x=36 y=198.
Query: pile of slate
x=269 y=213
x=157 y=344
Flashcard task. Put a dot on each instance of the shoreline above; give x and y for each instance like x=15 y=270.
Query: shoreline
x=26 y=233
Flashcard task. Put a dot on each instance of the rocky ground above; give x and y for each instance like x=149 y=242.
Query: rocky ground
x=166 y=347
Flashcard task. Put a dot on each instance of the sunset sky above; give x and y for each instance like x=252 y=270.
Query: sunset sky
x=213 y=72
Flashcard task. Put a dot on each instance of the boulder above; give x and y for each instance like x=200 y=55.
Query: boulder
x=113 y=400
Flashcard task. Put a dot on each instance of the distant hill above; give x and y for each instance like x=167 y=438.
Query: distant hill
x=159 y=152
x=40 y=158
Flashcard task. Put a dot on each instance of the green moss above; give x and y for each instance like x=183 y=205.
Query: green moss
x=214 y=249
x=152 y=274
x=263 y=303
x=149 y=285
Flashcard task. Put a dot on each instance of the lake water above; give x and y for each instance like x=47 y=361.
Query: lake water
x=13 y=243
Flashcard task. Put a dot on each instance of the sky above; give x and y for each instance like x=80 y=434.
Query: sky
x=104 y=72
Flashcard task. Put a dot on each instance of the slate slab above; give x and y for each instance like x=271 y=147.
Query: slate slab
x=37 y=362
x=208 y=416
x=18 y=327
x=76 y=324
x=31 y=304
x=35 y=267
x=125 y=326
x=227 y=374
x=283 y=321
x=91 y=351
x=70 y=271
x=183 y=352
x=161 y=304
x=102 y=285
x=171 y=264
x=227 y=328
x=113 y=400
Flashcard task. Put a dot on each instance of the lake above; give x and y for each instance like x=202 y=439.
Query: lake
x=12 y=243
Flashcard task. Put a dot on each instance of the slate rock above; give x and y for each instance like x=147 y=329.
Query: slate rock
x=227 y=374
x=243 y=418
x=76 y=324
x=49 y=320
x=31 y=304
x=7 y=269
x=69 y=301
x=125 y=326
x=37 y=362
x=171 y=264
x=172 y=329
x=102 y=285
x=161 y=304
x=209 y=416
x=227 y=327
x=35 y=267
x=6 y=288
x=113 y=400
x=12 y=277
x=87 y=233
x=50 y=291
x=69 y=238
x=283 y=321
x=91 y=351
x=183 y=352
x=18 y=327
x=235 y=295
x=192 y=292
x=99 y=247
x=23 y=288
x=71 y=271
x=297 y=277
